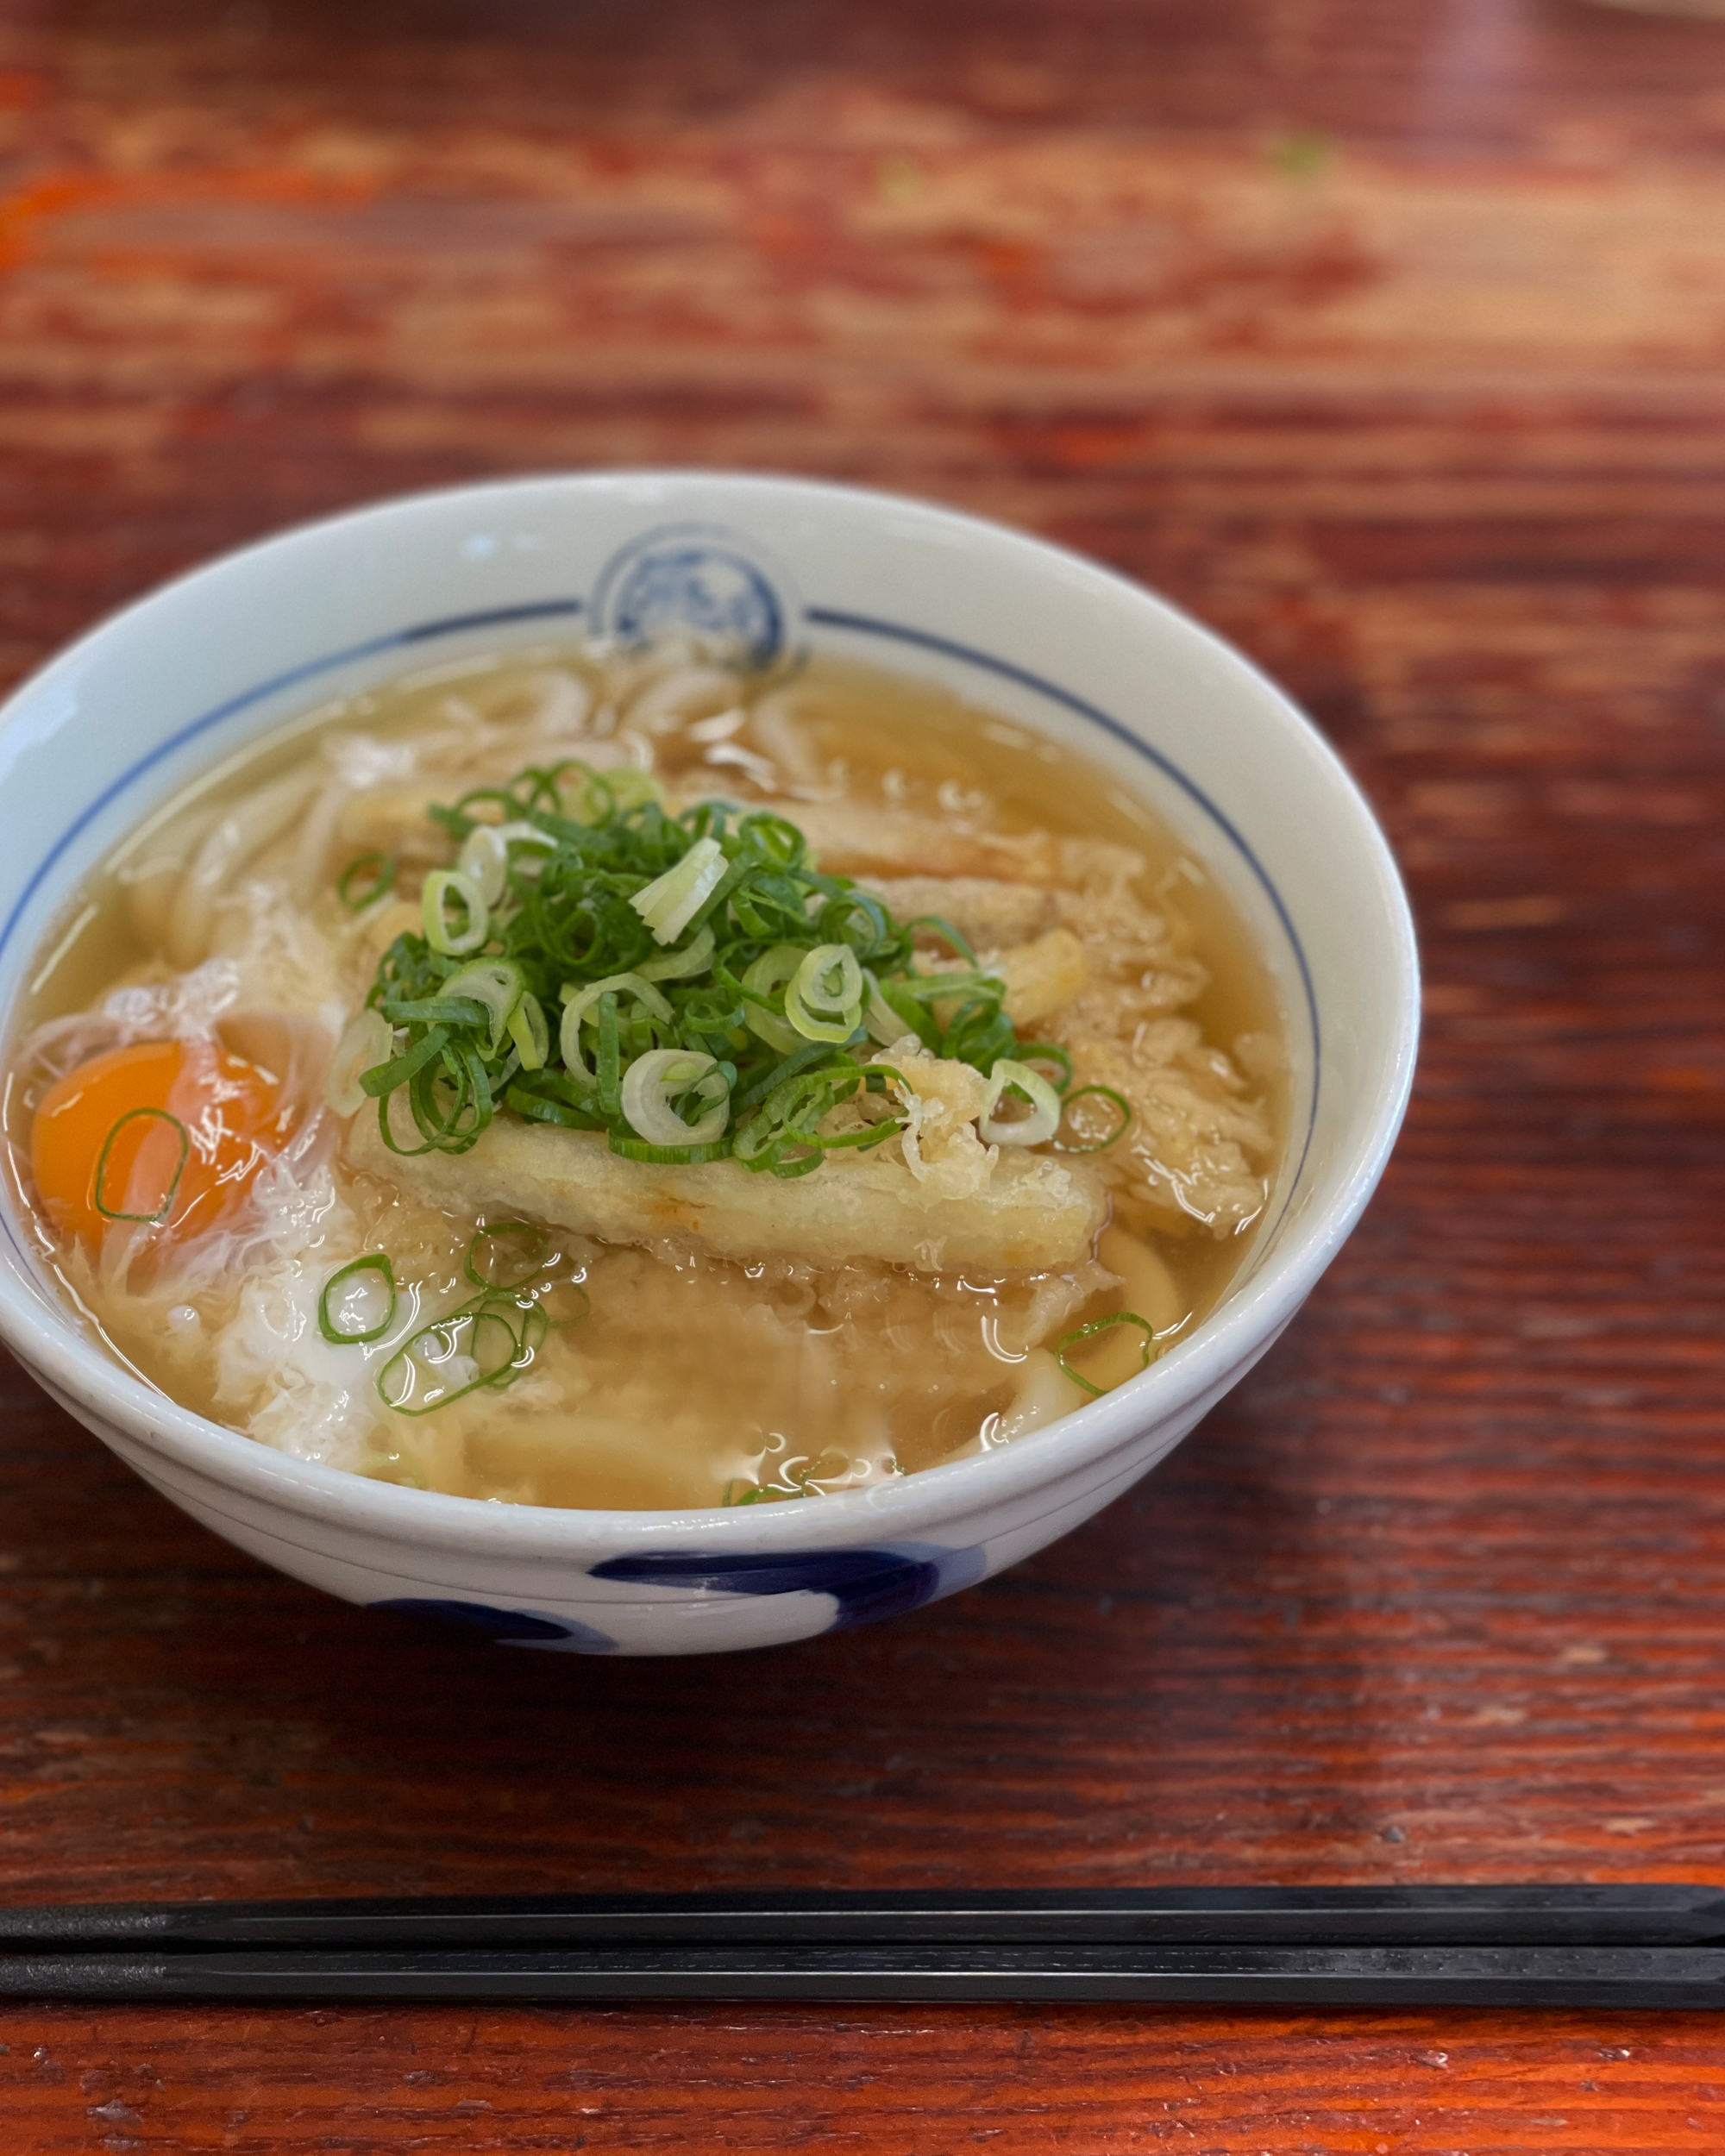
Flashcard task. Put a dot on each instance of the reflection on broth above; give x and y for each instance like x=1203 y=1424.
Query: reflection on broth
x=450 y=1094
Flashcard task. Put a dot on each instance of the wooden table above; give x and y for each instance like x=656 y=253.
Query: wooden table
x=1388 y=336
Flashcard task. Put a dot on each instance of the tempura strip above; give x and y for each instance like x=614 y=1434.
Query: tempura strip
x=1032 y=1214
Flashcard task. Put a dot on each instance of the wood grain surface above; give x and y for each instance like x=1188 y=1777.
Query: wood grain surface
x=1386 y=334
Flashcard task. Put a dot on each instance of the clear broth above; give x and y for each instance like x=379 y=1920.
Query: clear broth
x=694 y=1381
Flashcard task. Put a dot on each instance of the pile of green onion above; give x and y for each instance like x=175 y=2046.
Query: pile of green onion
x=690 y=985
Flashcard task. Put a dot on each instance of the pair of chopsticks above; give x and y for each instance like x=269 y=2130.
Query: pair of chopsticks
x=1574 y=1945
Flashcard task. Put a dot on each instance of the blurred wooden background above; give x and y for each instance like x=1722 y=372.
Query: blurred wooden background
x=1389 y=336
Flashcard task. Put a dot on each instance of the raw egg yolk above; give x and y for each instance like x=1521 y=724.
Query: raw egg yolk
x=168 y=1131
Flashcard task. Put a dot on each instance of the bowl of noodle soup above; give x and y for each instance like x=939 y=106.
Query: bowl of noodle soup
x=658 y=1063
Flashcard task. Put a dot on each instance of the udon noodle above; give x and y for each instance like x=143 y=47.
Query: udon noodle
x=593 y=1078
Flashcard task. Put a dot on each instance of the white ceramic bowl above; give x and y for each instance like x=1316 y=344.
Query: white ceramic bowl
x=185 y=677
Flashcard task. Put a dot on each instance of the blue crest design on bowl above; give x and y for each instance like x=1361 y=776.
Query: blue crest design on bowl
x=514 y=1627
x=704 y=580
x=866 y=1584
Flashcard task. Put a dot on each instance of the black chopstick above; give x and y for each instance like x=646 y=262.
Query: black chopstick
x=1578 y=1915
x=1576 y=1977
x=1574 y=1945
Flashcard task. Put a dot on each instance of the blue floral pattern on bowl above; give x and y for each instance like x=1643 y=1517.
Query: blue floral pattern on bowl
x=866 y=1584
x=514 y=1627
x=703 y=579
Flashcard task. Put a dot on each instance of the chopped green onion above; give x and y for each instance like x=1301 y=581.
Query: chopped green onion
x=493 y=983
x=411 y=1061
x=696 y=1156
x=939 y=988
x=367 y=1043
x=536 y=1323
x=529 y=1032
x=669 y=903
x=1105 y=1325
x=1100 y=1145
x=912 y=1019
x=855 y=918
x=525 y=834
x=695 y=956
x=630 y=789
x=943 y=928
x=1035 y=1052
x=375 y=874
x=594 y=802
x=448 y=1094
x=484 y=859
x=458 y=823
x=441 y=885
x=554 y=1098
x=579 y=1001
x=824 y=1001
x=633 y=984
x=1034 y=1129
x=883 y=1022
x=453 y=1356
x=134 y=1115
x=830 y=979
x=342 y=1336
x=435 y=1010
x=789 y=1154
x=768 y=1493
x=652 y=1083
x=505 y=1253
x=766 y=979
x=800 y=1057
x=539 y=1107
x=609 y=1068
x=759 y=1493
